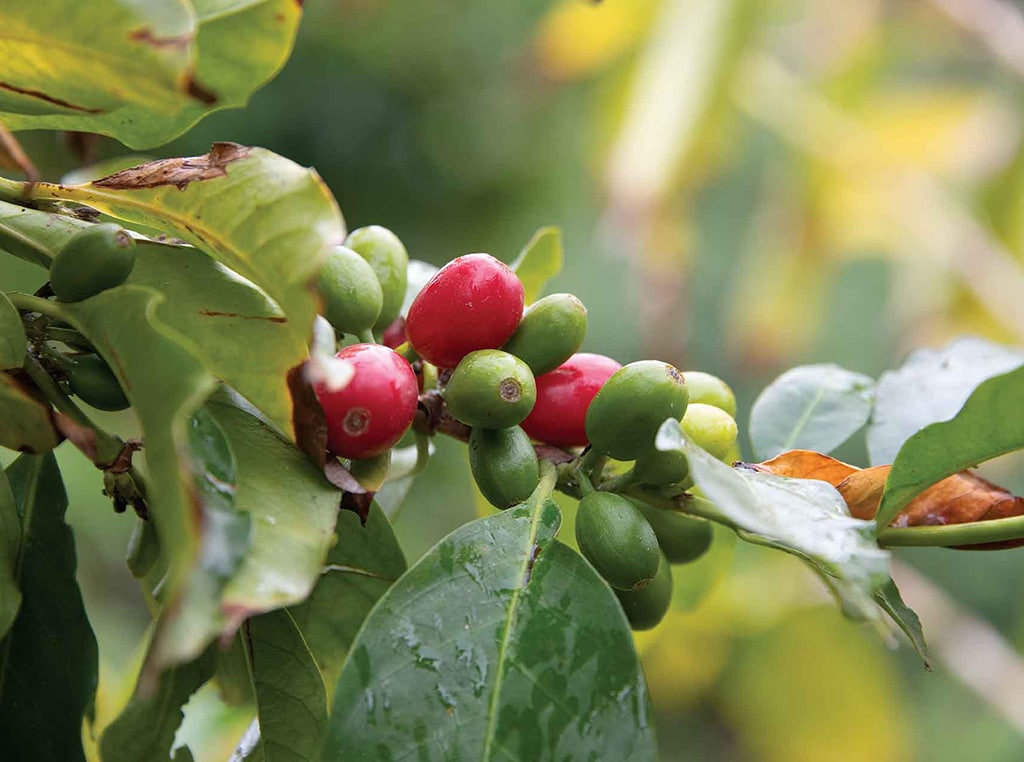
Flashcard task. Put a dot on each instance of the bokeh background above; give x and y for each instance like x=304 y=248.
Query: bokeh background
x=743 y=186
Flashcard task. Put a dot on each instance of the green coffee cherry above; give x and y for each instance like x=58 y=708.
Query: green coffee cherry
x=92 y=381
x=390 y=261
x=491 y=389
x=710 y=390
x=504 y=465
x=682 y=538
x=646 y=608
x=661 y=469
x=351 y=293
x=551 y=331
x=626 y=414
x=710 y=428
x=615 y=537
x=93 y=260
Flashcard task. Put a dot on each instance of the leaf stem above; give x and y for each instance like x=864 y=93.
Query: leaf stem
x=953 y=535
x=30 y=303
x=14 y=190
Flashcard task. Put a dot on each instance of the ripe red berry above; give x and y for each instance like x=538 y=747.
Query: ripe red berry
x=371 y=414
x=563 y=396
x=473 y=302
x=394 y=334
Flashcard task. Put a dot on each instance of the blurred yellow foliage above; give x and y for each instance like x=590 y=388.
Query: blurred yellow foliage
x=577 y=38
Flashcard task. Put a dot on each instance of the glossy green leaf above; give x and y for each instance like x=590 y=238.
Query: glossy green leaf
x=499 y=643
x=539 y=261
x=48 y=661
x=35 y=236
x=145 y=730
x=290 y=698
x=360 y=567
x=261 y=215
x=293 y=509
x=889 y=598
x=804 y=517
x=140 y=72
x=27 y=422
x=991 y=423
x=811 y=407
x=931 y=386
x=10 y=548
x=13 y=343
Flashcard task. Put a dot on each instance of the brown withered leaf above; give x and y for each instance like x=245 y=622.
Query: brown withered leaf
x=962 y=498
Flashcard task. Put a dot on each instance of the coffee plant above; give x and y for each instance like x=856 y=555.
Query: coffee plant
x=288 y=378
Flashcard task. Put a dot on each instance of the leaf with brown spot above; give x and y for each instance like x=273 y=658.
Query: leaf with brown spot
x=962 y=498
x=26 y=423
x=140 y=72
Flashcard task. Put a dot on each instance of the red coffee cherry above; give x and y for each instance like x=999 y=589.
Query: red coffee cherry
x=563 y=396
x=394 y=334
x=371 y=414
x=473 y=302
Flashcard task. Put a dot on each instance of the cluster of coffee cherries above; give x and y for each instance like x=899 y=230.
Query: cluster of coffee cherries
x=515 y=377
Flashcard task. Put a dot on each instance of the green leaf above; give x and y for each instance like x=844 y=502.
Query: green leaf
x=889 y=598
x=48 y=661
x=805 y=517
x=13 y=343
x=931 y=386
x=27 y=422
x=145 y=730
x=988 y=425
x=539 y=261
x=10 y=547
x=293 y=509
x=499 y=643
x=165 y=384
x=811 y=407
x=140 y=72
x=234 y=330
x=361 y=566
x=290 y=698
x=261 y=215
x=35 y=236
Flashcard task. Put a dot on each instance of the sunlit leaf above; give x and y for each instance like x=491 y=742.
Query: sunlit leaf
x=499 y=643
x=539 y=261
x=140 y=72
x=290 y=698
x=27 y=421
x=931 y=386
x=360 y=567
x=989 y=424
x=13 y=343
x=814 y=407
x=146 y=728
x=261 y=215
x=48 y=661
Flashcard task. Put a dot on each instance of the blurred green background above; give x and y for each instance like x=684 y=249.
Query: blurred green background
x=743 y=186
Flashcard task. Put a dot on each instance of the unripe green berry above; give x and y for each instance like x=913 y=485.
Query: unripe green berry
x=710 y=390
x=647 y=607
x=386 y=254
x=661 y=468
x=683 y=538
x=551 y=331
x=625 y=416
x=710 y=428
x=617 y=540
x=352 y=295
x=93 y=260
x=504 y=465
x=92 y=381
x=491 y=389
